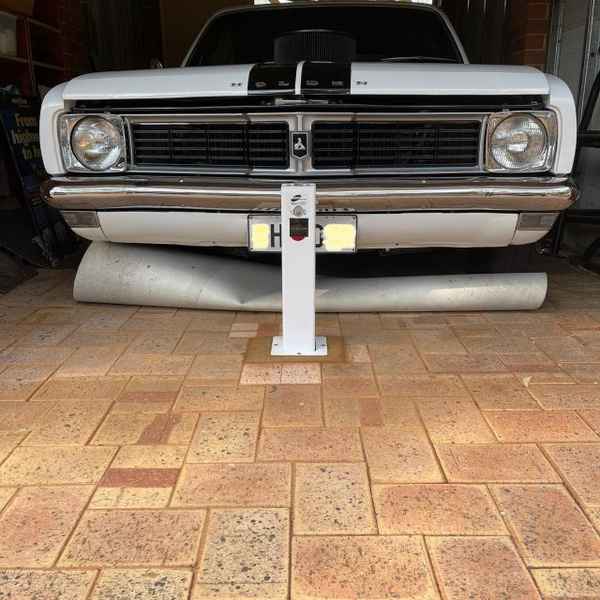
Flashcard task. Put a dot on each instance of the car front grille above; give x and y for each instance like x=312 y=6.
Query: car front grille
x=401 y=145
x=356 y=143
x=245 y=146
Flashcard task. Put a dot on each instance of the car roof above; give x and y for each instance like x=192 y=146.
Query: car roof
x=329 y=3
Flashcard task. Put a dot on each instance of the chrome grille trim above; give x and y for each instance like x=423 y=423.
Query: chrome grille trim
x=303 y=121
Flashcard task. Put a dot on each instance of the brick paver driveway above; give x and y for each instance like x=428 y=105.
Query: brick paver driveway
x=161 y=454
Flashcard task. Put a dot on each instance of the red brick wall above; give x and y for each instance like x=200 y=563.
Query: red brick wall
x=500 y=31
x=69 y=22
x=528 y=32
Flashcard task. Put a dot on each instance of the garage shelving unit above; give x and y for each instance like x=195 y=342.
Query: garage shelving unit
x=39 y=59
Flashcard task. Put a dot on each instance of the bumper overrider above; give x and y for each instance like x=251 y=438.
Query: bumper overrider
x=462 y=212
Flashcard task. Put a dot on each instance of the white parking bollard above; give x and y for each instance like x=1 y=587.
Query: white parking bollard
x=298 y=272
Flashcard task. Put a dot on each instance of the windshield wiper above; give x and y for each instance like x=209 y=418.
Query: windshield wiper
x=430 y=59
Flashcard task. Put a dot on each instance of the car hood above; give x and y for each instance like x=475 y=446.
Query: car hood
x=366 y=79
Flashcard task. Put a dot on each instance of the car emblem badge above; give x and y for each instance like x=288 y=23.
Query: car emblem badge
x=300 y=145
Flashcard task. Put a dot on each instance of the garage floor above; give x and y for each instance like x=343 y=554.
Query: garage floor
x=156 y=454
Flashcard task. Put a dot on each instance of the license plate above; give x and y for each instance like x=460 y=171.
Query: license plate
x=334 y=234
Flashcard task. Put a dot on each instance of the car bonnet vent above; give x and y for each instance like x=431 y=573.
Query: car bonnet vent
x=315 y=45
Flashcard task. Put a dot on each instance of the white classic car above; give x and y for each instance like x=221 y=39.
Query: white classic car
x=375 y=103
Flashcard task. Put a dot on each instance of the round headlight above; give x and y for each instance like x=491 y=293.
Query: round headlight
x=520 y=142
x=96 y=143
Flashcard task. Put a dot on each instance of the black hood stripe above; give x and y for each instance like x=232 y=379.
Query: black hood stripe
x=326 y=78
x=272 y=79
x=316 y=78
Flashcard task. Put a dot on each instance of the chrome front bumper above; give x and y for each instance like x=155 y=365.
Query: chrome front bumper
x=368 y=195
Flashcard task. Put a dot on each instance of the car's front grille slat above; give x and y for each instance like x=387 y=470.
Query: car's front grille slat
x=402 y=145
x=242 y=146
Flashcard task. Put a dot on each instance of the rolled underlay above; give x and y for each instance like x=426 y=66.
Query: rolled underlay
x=172 y=277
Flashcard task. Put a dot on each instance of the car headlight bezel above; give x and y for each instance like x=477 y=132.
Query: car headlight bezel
x=67 y=127
x=545 y=160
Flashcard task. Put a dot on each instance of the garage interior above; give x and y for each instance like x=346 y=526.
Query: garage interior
x=161 y=453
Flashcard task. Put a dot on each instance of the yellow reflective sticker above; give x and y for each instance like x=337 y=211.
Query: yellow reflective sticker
x=339 y=237
x=260 y=236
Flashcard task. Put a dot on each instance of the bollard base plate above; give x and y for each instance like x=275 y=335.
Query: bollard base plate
x=278 y=349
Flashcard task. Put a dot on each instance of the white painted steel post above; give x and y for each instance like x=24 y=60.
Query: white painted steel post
x=298 y=273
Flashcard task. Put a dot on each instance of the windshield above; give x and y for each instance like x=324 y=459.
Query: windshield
x=381 y=33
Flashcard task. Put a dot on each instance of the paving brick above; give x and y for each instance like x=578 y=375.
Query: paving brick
x=592 y=418
x=485 y=568
x=104 y=538
x=421 y=386
x=180 y=430
x=441 y=341
x=568 y=584
x=540 y=426
x=23 y=584
x=8 y=442
x=5 y=495
x=301 y=373
x=397 y=456
x=436 y=510
x=543 y=377
x=358 y=353
x=261 y=374
x=576 y=396
x=389 y=359
x=68 y=423
x=211 y=320
x=210 y=342
x=216 y=369
x=454 y=420
x=528 y=361
x=310 y=445
x=549 y=528
x=333 y=499
x=580 y=466
x=231 y=485
x=48 y=465
x=293 y=406
x=159 y=431
x=519 y=463
x=582 y=373
x=90 y=361
x=564 y=349
x=152 y=342
x=499 y=392
x=216 y=398
x=245 y=555
x=149 y=584
x=21 y=416
x=463 y=363
x=139 y=478
x=150 y=408
x=131 y=497
x=121 y=429
x=501 y=344
x=17 y=385
x=348 y=380
x=363 y=567
x=37 y=523
x=132 y=363
x=81 y=388
x=149 y=457
x=151 y=388
x=353 y=411
x=225 y=437
x=34 y=356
